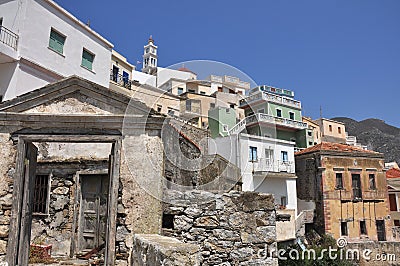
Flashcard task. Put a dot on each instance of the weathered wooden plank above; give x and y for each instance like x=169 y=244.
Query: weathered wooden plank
x=13 y=238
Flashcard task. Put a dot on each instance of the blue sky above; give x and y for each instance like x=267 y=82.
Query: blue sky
x=343 y=55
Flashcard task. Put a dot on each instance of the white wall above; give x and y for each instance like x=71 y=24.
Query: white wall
x=144 y=78
x=236 y=151
x=32 y=20
x=164 y=74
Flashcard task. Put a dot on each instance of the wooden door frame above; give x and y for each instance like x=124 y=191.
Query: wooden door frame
x=17 y=250
x=78 y=194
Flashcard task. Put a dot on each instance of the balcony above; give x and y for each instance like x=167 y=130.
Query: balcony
x=260 y=117
x=8 y=37
x=121 y=80
x=269 y=97
x=269 y=165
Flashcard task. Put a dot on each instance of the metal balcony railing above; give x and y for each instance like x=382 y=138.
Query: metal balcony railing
x=121 y=80
x=8 y=37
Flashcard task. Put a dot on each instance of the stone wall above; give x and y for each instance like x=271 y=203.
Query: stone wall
x=8 y=153
x=382 y=253
x=234 y=228
x=156 y=250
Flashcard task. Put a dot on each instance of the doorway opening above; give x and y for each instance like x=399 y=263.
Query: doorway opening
x=66 y=191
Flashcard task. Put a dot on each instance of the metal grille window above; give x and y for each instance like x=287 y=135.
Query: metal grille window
x=56 y=41
x=41 y=193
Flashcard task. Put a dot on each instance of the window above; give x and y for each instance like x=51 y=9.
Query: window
x=283 y=201
x=284 y=156
x=225 y=128
x=170 y=111
x=40 y=196
x=339 y=181
x=356 y=185
x=291 y=115
x=202 y=92
x=261 y=111
x=310 y=143
x=393 y=202
x=180 y=91
x=87 y=59
x=343 y=229
x=232 y=106
x=278 y=112
x=309 y=133
x=220 y=89
x=212 y=105
x=363 y=228
x=396 y=222
x=372 y=184
x=159 y=108
x=253 y=154
x=1 y=98
x=188 y=105
x=192 y=91
x=330 y=128
x=339 y=129
x=56 y=42
x=125 y=78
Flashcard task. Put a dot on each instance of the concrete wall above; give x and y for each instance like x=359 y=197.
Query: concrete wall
x=332 y=135
x=156 y=250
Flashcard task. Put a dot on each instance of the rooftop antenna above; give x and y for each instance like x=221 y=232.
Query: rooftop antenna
x=320 y=111
x=88 y=23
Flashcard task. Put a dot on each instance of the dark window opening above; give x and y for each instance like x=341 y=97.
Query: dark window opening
x=339 y=130
x=232 y=106
x=380 y=230
x=396 y=222
x=40 y=195
x=330 y=128
x=291 y=115
x=363 y=228
x=159 y=108
x=339 y=181
x=278 y=113
x=343 y=229
x=168 y=221
x=393 y=202
x=372 y=183
x=356 y=185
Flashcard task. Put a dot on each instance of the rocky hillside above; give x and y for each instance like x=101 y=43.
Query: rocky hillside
x=376 y=134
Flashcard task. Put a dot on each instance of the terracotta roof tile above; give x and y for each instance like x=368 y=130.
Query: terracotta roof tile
x=393 y=173
x=330 y=146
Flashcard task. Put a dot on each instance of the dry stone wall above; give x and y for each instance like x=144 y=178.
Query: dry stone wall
x=234 y=228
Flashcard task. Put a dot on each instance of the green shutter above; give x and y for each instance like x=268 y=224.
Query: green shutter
x=56 y=41
x=87 y=59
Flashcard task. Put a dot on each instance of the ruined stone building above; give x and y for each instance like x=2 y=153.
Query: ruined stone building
x=86 y=169
x=348 y=188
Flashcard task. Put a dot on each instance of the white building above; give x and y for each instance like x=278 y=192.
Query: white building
x=40 y=43
x=267 y=165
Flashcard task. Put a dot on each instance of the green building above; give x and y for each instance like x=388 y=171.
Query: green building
x=220 y=120
x=273 y=112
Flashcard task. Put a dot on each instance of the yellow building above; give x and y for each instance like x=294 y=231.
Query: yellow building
x=348 y=187
x=316 y=131
x=331 y=131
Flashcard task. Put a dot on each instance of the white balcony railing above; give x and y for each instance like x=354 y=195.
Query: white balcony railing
x=8 y=37
x=271 y=98
x=269 y=165
x=260 y=117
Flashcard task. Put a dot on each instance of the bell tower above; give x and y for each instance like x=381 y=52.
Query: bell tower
x=150 y=57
